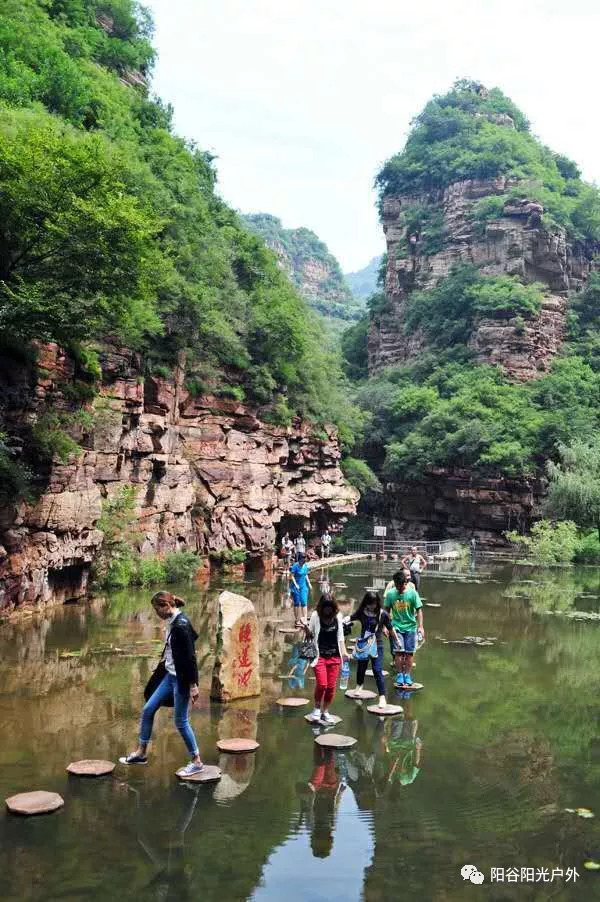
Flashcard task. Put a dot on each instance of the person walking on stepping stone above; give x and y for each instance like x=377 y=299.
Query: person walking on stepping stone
x=416 y=563
x=326 y=628
x=406 y=611
x=299 y=589
x=173 y=683
x=373 y=620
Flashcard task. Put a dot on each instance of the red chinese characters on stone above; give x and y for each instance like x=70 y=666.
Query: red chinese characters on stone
x=244 y=664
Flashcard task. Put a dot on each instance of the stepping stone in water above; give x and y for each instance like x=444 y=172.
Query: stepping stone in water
x=288 y=630
x=91 y=767
x=292 y=702
x=37 y=802
x=334 y=721
x=431 y=604
x=335 y=741
x=385 y=710
x=237 y=746
x=415 y=687
x=208 y=774
x=370 y=673
x=345 y=586
x=363 y=693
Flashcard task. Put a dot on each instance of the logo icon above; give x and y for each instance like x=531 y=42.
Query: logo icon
x=470 y=872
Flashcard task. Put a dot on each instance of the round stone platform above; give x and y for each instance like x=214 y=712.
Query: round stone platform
x=335 y=741
x=237 y=746
x=91 y=767
x=36 y=802
x=385 y=710
x=292 y=702
x=362 y=693
x=335 y=720
x=209 y=774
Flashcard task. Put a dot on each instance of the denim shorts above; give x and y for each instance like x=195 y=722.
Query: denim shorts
x=408 y=643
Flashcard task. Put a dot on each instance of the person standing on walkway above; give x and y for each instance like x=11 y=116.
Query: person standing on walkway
x=174 y=683
x=416 y=563
x=326 y=629
x=325 y=543
x=406 y=611
x=300 y=544
x=373 y=620
x=299 y=589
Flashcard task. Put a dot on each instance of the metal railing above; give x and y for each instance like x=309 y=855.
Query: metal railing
x=388 y=546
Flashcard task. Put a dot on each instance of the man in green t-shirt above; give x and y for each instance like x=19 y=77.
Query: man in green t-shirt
x=406 y=611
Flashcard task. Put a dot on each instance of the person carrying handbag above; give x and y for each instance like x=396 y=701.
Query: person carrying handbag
x=369 y=648
x=173 y=684
x=325 y=628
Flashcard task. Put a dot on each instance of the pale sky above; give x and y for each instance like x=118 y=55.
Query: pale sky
x=302 y=101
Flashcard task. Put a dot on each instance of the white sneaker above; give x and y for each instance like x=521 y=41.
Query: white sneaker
x=190 y=769
x=382 y=701
x=327 y=718
x=316 y=714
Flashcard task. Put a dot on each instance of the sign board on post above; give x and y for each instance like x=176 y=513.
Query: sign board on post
x=380 y=532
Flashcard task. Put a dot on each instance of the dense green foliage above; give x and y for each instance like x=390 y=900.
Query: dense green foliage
x=574 y=489
x=359 y=474
x=549 y=543
x=447 y=313
x=110 y=224
x=472 y=133
x=298 y=250
x=442 y=411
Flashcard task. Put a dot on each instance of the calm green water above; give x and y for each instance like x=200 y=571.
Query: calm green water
x=499 y=742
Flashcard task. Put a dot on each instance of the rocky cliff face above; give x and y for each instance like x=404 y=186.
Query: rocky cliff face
x=514 y=243
x=310 y=266
x=458 y=504
x=209 y=476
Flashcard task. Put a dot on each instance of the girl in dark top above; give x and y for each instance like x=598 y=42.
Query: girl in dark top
x=326 y=629
x=178 y=686
x=373 y=620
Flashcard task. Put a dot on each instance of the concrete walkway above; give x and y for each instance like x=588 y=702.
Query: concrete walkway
x=335 y=560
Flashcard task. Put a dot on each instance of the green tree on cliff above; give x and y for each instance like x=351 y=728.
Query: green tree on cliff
x=574 y=490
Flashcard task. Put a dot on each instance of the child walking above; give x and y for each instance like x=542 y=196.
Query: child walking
x=373 y=620
x=327 y=631
x=406 y=611
x=176 y=681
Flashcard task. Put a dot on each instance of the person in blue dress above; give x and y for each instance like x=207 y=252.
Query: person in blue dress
x=299 y=589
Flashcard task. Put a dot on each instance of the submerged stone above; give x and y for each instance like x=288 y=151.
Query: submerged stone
x=292 y=702
x=335 y=741
x=385 y=710
x=208 y=774
x=236 y=673
x=360 y=693
x=334 y=720
x=237 y=745
x=37 y=802
x=91 y=767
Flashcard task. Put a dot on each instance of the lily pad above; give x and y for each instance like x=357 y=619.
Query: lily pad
x=584 y=812
x=591 y=865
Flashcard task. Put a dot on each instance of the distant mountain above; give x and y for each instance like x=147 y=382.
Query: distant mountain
x=363 y=282
x=311 y=267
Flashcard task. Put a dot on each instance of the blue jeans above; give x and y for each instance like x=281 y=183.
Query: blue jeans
x=167 y=690
x=377 y=665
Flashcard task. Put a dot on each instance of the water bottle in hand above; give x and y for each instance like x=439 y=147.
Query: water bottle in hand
x=345 y=675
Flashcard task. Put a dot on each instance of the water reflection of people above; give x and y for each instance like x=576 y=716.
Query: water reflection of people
x=297 y=668
x=325 y=787
x=404 y=748
x=171 y=880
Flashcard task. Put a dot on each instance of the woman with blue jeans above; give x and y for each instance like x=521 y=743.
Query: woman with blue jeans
x=373 y=620
x=178 y=685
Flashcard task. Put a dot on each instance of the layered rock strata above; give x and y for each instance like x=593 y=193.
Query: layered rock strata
x=514 y=243
x=208 y=476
